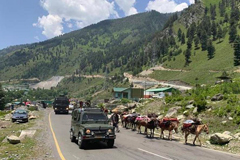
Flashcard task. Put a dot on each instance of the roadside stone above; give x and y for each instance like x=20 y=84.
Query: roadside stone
x=218 y=138
x=27 y=133
x=230 y=118
x=32 y=117
x=191 y=102
x=13 y=139
x=227 y=133
x=185 y=113
x=237 y=135
x=224 y=122
x=189 y=106
x=195 y=110
x=217 y=97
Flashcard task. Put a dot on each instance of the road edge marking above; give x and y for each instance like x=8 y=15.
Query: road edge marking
x=55 y=139
x=154 y=154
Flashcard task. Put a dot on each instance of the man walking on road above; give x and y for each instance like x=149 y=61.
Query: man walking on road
x=115 y=121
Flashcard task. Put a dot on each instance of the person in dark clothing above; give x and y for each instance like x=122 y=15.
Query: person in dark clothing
x=115 y=121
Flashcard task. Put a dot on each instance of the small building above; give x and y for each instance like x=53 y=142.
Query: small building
x=129 y=93
x=159 y=92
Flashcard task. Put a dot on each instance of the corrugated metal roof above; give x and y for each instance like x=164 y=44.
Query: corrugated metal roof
x=158 y=89
x=119 y=89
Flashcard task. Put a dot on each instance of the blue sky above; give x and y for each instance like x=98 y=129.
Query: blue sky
x=29 y=21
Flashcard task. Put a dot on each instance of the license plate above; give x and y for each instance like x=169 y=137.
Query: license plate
x=99 y=136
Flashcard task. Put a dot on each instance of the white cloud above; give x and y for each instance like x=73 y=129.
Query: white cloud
x=165 y=6
x=191 y=1
x=127 y=6
x=84 y=12
x=69 y=25
x=51 y=24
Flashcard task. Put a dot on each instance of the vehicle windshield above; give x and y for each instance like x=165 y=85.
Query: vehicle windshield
x=58 y=102
x=20 y=112
x=94 y=117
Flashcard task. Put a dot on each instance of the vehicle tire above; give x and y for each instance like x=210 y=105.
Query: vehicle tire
x=27 y=120
x=110 y=143
x=56 y=112
x=13 y=120
x=81 y=143
x=72 y=137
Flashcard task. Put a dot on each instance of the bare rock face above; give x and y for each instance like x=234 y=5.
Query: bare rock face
x=218 y=138
x=13 y=139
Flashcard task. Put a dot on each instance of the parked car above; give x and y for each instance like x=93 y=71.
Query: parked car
x=20 y=115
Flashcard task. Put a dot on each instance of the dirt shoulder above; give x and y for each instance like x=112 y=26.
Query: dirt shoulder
x=39 y=147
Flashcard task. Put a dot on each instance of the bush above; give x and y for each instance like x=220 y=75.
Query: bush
x=200 y=103
x=125 y=101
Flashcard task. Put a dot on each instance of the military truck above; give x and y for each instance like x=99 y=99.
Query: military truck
x=61 y=105
x=91 y=125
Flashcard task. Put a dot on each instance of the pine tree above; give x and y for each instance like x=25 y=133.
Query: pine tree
x=237 y=51
x=219 y=33
x=189 y=43
x=232 y=33
x=183 y=39
x=226 y=18
x=214 y=30
x=210 y=49
x=196 y=41
x=204 y=39
x=179 y=34
x=2 y=98
x=187 y=57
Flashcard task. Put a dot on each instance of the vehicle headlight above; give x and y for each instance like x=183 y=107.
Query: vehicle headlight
x=109 y=131
x=55 y=108
x=66 y=108
x=92 y=133
x=88 y=131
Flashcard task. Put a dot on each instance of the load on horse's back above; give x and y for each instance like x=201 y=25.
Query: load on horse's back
x=194 y=126
x=169 y=124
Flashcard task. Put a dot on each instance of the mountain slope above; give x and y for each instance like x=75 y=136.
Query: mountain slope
x=96 y=48
x=200 y=21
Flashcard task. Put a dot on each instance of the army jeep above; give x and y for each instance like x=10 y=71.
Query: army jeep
x=91 y=125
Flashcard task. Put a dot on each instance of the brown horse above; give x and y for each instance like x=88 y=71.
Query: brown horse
x=152 y=124
x=195 y=129
x=169 y=124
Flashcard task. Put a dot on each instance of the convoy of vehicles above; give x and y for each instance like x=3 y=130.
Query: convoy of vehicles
x=91 y=125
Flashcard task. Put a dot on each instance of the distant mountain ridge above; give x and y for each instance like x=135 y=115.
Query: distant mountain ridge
x=106 y=45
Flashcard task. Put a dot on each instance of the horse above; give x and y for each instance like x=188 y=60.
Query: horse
x=196 y=130
x=152 y=124
x=169 y=124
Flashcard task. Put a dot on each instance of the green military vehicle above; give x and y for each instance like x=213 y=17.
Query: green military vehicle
x=91 y=125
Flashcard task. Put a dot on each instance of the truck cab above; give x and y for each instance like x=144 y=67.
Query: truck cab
x=61 y=105
x=91 y=125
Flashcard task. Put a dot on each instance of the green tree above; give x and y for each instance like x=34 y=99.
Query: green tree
x=232 y=33
x=219 y=33
x=214 y=30
x=204 y=39
x=196 y=41
x=226 y=18
x=237 y=51
x=187 y=56
x=183 y=39
x=2 y=98
x=179 y=34
x=210 y=49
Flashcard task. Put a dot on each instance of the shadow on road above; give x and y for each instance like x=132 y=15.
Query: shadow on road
x=98 y=146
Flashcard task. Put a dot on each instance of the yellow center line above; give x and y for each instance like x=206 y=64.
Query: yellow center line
x=55 y=139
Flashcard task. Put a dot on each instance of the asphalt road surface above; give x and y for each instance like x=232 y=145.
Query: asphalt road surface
x=128 y=145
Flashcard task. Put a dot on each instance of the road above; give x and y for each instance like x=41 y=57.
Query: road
x=129 y=145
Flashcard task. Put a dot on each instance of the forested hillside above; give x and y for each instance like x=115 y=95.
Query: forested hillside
x=106 y=46
x=204 y=43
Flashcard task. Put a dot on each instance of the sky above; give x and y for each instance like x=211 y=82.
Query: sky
x=29 y=21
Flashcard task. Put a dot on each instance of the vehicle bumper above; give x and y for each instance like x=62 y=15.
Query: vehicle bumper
x=20 y=120
x=99 y=138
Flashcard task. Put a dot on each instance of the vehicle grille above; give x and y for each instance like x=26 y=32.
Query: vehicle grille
x=99 y=132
